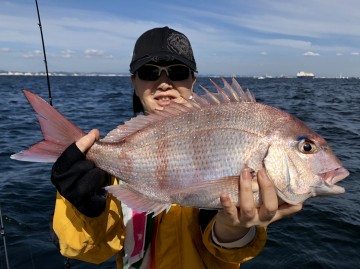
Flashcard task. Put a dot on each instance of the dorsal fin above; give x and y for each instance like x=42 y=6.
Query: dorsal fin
x=228 y=94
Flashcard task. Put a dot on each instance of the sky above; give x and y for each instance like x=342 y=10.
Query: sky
x=231 y=37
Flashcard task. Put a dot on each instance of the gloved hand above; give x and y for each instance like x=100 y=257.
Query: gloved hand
x=80 y=182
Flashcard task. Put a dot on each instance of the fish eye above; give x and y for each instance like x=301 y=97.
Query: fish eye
x=307 y=146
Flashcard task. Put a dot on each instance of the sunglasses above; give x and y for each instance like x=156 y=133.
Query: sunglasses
x=175 y=72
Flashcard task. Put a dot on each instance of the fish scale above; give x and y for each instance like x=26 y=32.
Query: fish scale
x=183 y=147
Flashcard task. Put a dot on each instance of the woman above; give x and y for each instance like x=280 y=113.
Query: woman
x=91 y=225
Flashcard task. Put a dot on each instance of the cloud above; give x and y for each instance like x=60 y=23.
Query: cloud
x=291 y=43
x=67 y=53
x=92 y=53
x=224 y=37
x=5 y=49
x=310 y=53
x=33 y=54
x=290 y=18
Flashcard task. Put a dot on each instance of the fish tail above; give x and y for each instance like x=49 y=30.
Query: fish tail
x=58 y=133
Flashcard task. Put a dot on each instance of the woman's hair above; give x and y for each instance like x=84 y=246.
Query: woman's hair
x=137 y=105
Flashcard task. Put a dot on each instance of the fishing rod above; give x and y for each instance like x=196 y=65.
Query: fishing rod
x=44 y=52
x=2 y=231
x=67 y=260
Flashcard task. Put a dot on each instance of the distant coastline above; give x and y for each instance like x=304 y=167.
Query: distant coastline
x=97 y=74
x=64 y=74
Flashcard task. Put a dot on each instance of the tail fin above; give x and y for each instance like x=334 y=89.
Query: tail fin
x=58 y=133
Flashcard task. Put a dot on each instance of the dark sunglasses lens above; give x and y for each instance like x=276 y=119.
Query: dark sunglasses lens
x=148 y=72
x=151 y=73
x=178 y=72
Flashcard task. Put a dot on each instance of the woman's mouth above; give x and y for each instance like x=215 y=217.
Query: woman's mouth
x=164 y=100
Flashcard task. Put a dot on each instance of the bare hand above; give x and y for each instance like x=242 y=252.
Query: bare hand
x=88 y=140
x=233 y=223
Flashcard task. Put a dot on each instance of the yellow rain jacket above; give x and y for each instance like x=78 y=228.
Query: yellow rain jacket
x=180 y=243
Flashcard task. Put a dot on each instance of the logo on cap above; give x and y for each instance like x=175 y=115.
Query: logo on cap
x=179 y=44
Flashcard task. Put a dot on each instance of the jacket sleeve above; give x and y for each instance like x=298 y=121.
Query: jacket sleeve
x=235 y=255
x=88 y=239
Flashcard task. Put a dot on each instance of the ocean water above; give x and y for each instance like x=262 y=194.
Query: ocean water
x=325 y=234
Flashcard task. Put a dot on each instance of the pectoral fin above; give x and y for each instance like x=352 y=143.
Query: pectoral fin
x=136 y=200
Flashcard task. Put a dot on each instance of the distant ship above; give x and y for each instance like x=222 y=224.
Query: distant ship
x=305 y=75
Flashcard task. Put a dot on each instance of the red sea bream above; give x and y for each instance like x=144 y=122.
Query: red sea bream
x=189 y=154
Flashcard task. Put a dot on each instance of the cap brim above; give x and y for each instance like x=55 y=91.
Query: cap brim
x=161 y=57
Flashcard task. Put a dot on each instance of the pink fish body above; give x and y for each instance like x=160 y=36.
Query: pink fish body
x=189 y=154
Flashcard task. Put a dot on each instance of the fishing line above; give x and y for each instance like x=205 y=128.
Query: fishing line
x=44 y=52
x=2 y=231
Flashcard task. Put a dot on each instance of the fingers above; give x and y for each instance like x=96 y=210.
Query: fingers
x=270 y=211
x=227 y=227
x=226 y=202
x=230 y=209
x=247 y=212
x=232 y=220
x=269 y=197
x=287 y=211
x=88 y=140
x=247 y=205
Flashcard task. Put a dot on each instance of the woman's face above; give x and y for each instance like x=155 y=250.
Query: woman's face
x=154 y=95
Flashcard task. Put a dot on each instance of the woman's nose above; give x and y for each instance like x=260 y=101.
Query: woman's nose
x=164 y=82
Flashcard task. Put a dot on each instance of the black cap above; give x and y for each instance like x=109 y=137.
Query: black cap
x=162 y=44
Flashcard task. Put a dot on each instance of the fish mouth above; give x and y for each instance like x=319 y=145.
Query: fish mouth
x=333 y=176
x=329 y=178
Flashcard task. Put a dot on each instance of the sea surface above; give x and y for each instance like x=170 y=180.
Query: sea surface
x=325 y=234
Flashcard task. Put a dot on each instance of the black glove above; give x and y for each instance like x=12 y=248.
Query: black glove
x=80 y=182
